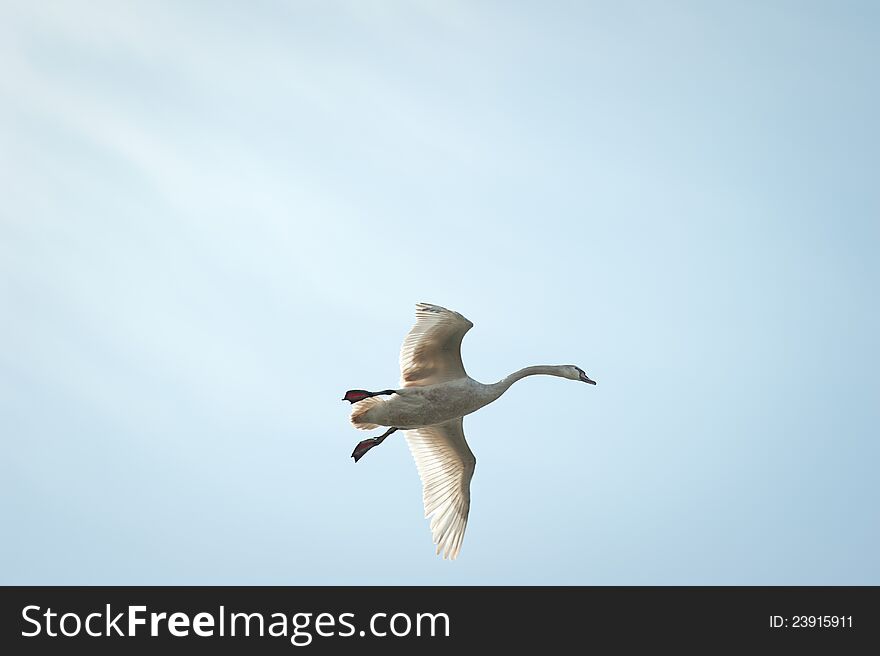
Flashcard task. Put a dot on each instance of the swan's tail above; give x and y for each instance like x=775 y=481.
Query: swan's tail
x=361 y=409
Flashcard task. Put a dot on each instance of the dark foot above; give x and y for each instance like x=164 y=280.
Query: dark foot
x=368 y=444
x=353 y=396
x=363 y=447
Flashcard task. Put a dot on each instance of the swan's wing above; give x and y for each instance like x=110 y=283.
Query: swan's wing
x=445 y=465
x=431 y=352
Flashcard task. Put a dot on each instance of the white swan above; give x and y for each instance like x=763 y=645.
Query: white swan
x=435 y=394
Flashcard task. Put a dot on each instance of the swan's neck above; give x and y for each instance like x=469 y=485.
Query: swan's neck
x=503 y=385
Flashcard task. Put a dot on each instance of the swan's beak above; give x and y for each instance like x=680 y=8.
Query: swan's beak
x=586 y=379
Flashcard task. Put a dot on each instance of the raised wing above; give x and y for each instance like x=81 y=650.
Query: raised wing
x=446 y=465
x=431 y=352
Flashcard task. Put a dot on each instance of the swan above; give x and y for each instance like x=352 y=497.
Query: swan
x=435 y=394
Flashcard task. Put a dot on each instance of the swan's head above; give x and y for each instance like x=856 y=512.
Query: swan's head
x=576 y=373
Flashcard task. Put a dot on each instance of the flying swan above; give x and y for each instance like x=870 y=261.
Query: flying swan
x=435 y=394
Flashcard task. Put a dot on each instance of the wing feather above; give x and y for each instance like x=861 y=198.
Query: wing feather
x=431 y=351
x=446 y=466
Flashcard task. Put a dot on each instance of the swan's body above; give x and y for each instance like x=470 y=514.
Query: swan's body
x=416 y=407
x=435 y=394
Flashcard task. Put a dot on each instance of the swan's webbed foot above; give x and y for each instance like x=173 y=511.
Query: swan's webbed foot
x=368 y=444
x=353 y=396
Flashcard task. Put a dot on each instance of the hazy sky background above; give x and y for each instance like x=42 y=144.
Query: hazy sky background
x=217 y=217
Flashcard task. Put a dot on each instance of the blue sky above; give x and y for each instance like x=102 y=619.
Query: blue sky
x=217 y=217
